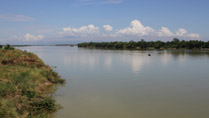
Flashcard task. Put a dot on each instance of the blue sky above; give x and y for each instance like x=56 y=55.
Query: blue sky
x=72 y=21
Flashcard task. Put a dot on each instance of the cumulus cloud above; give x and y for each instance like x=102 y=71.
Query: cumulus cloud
x=136 y=28
x=107 y=28
x=181 y=32
x=83 y=31
x=18 y=18
x=184 y=33
x=197 y=36
x=30 y=37
x=164 y=31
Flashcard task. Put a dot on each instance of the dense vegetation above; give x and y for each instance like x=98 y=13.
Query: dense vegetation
x=25 y=85
x=175 y=44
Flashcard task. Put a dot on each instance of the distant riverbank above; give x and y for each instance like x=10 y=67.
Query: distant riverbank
x=26 y=84
x=174 y=44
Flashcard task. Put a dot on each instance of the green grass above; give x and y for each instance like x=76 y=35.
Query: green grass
x=24 y=82
x=7 y=109
x=6 y=88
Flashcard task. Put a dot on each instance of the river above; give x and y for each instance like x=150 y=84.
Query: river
x=129 y=84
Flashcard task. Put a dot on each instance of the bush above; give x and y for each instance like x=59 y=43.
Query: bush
x=8 y=47
x=9 y=61
x=52 y=76
x=4 y=62
x=1 y=46
x=42 y=106
x=29 y=93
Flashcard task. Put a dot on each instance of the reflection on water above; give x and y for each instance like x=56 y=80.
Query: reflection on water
x=129 y=84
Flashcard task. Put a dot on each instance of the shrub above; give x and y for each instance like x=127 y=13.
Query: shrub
x=52 y=76
x=8 y=61
x=8 y=47
x=43 y=105
x=29 y=93
x=12 y=48
x=4 y=62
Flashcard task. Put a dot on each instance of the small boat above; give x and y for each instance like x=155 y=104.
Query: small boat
x=149 y=54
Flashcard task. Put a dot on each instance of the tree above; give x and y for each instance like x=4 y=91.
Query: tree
x=175 y=43
x=8 y=47
x=158 y=44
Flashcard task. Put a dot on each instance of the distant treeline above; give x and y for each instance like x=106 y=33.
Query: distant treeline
x=174 y=44
x=7 y=47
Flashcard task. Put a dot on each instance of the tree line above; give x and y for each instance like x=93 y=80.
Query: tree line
x=174 y=44
x=7 y=47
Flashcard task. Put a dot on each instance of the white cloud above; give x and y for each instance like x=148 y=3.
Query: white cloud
x=136 y=28
x=165 y=32
x=30 y=37
x=107 y=28
x=18 y=18
x=27 y=38
x=184 y=33
x=197 y=36
x=83 y=31
x=181 y=32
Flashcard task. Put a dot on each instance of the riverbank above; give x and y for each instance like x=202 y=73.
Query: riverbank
x=26 y=84
x=148 y=45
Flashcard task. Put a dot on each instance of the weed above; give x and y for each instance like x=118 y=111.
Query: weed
x=8 y=47
x=6 y=88
x=7 y=109
x=24 y=79
x=29 y=93
x=40 y=106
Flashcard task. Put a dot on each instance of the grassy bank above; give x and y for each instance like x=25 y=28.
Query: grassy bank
x=24 y=82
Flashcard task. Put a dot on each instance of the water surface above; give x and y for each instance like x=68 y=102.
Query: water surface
x=129 y=84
